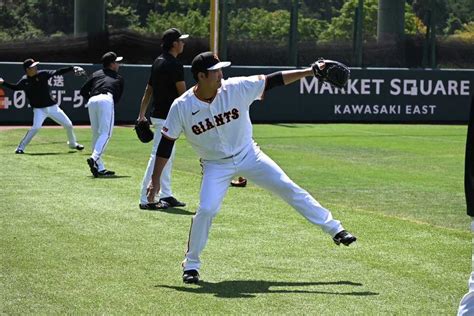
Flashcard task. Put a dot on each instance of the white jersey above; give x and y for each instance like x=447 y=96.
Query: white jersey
x=222 y=128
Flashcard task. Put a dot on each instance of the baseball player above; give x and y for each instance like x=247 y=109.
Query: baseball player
x=103 y=90
x=214 y=117
x=35 y=85
x=165 y=84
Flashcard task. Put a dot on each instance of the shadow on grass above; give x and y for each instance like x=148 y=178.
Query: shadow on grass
x=249 y=288
x=109 y=177
x=51 y=154
x=172 y=210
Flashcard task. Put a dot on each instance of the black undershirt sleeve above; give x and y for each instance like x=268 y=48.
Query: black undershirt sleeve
x=274 y=80
x=62 y=71
x=165 y=148
x=12 y=86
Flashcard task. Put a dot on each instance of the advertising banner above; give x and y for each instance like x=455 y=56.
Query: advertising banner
x=373 y=95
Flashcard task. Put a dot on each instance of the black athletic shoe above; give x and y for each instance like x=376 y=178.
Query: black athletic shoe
x=344 y=237
x=172 y=202
x=79 y=147
x=106 y=173
x=153 y=206
x=93 y=166
x=19 y=151
x=191 y=276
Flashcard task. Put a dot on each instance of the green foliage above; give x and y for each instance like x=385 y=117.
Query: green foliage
x=266 y=19
x=119 y=17
x=259 y=24
x=465 y=33
x=437 y=9
x=14 y=24
x=193 y=22
x=52 y=16
x=341 y=27
x=256 y=23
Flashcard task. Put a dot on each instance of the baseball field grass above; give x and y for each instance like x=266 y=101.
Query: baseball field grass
x=73 y=244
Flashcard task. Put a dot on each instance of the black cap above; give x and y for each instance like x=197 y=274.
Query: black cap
x=172 y=35
x=109 y=58
x=29 y=63
x=207 y=61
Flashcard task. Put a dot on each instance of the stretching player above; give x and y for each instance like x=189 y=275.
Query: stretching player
x=103 y=90
x=165 y=84
x=35 y=85
x=214 y=116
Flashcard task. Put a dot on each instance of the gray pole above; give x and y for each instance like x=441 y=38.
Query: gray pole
x=223 y=30
x=293 y=45
x=358 y=34
x=391 y=20
x=89 y=16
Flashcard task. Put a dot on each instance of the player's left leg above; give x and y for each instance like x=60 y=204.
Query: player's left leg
x=264 y=172
x=215 y=183
x=58 y=115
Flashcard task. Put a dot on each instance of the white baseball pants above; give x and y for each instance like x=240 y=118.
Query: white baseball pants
x=466 y=306
x=261 y=170
x=55 y=113
x=165 y=180
x=101 y=115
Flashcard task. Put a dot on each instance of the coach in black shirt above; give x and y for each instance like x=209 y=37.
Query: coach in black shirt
x=165 y=84
x=36 y=87
x=103 y=90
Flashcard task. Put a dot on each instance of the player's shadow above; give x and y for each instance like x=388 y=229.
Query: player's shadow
x=172 y=210
x=49 y=154
x=249 y=288
x=109 y=177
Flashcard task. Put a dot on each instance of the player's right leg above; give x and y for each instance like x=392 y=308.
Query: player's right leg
x=58 y=115
x=264 y=172
x=215 y=183
x=39 y=115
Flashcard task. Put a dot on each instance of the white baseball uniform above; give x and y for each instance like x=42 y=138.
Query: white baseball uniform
x=221 y=134
x=165 y=179
x=101 y=114
x=55 y=113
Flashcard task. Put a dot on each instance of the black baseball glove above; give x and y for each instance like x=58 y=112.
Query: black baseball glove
x=144 y=132
x=334 y=72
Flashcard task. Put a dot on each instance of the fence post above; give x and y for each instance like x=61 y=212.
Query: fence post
x=426 y=46
x=358 y=34
x=223 y=30
x=293 y=43
x=89 y=16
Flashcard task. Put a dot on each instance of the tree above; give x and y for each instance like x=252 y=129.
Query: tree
x=437 y=9
x=341 y=27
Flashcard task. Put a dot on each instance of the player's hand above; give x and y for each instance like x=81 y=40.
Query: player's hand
x=141 y=118
x=151 y=192
x=79 y=71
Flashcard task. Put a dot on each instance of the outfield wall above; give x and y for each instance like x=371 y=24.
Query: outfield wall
x=372 y=95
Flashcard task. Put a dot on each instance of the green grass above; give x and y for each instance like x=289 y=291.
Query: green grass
x=74 y=244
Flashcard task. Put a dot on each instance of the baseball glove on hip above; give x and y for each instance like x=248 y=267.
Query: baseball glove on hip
x=334 y=72
x=144 y=132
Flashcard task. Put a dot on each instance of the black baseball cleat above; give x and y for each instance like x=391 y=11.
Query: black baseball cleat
x=153 y=206
x=19 y=151
x=79 y=147
x=93 y=166
x=191 y=276
x=172 y=202
x=106 y=173
x=344 y=237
